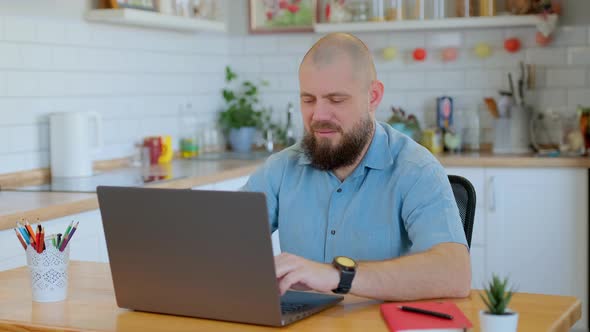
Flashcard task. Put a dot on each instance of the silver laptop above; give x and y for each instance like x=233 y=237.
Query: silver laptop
x=195 y=253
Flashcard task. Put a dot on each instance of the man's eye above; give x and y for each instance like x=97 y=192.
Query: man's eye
x=336 y=101
x=307 y=100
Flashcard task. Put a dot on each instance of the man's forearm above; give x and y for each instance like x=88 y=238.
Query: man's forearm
x=443 y=271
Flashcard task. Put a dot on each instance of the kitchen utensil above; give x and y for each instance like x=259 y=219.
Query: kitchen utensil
x=521 y=84
x=71 y=146
x=531 y=76
x=511 y=84
x=492 y=107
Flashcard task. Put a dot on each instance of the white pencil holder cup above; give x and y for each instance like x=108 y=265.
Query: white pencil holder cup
x=49 y=273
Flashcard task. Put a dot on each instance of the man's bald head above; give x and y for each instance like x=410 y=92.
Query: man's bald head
x=333 y=47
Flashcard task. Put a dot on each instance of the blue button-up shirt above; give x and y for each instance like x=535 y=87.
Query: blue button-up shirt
x=397 y=201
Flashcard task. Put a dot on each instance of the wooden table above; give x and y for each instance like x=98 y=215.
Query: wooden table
x=91 y=306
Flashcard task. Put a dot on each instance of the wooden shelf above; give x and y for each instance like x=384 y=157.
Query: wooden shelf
x=432 y=24
x=147 y=19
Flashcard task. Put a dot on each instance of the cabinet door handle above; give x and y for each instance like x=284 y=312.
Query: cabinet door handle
x=492 y=194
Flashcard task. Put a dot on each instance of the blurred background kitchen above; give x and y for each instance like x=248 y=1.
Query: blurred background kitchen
x=129 y=92
x=149 y=81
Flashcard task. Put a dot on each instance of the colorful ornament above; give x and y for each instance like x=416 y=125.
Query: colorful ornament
x=389 y=53
x=483 y=50
x=543 y=40
x=512 y=45
x=419 y=54
x=449 y=54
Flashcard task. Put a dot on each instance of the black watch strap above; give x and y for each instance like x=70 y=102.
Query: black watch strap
x=345 y=283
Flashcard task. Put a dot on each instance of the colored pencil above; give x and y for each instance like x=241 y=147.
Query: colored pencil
x=31 y=232
x=24 y=232
x=22 y=242
x=67 y=240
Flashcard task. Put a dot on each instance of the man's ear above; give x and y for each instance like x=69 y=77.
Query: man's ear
x=375 y=95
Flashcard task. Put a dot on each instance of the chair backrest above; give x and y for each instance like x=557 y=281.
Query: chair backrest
x=465 y=198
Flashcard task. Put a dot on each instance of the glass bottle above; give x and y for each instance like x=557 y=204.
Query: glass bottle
x=189 y=140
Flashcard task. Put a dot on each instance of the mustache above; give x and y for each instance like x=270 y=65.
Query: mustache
x=319 y=125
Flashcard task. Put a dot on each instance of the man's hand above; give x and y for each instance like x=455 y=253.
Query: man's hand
x=302 y=274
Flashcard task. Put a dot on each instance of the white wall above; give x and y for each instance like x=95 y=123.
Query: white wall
x=53 y=60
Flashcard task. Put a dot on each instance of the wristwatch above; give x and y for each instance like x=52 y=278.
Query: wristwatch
x=347 y=268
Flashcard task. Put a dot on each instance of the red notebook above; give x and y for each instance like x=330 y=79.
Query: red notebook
x=398 y=320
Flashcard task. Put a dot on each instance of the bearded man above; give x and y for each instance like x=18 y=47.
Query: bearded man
x=360 y=208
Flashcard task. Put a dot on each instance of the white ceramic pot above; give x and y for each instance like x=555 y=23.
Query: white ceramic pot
x=498 y=323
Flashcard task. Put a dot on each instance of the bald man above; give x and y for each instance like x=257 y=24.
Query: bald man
x=360 y=207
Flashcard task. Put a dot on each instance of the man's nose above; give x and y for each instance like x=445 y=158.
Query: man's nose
x=321 y=113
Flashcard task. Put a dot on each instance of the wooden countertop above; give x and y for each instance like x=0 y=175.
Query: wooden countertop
x=91 y=305
x=50 y=205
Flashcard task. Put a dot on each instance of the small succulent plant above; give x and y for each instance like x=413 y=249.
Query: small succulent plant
x=497 y=296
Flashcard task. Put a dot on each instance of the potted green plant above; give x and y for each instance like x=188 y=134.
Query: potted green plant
x=242 y=115
x=497 y=317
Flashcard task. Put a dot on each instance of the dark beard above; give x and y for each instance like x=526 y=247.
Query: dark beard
x=325 y=157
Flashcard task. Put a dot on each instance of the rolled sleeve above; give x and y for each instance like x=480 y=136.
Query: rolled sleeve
x=429 y=211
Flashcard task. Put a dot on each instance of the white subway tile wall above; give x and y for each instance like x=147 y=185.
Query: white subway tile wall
x=138 y=79
x=563 y=68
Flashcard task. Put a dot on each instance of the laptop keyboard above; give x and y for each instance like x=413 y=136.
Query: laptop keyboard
x=288 y=308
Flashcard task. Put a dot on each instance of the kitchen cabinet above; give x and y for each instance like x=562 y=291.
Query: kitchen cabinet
x=532 y=226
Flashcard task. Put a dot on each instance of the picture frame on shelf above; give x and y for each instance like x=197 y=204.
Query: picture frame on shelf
x=281 y=16
x=150 y=5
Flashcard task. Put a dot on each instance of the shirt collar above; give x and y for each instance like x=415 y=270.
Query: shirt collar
x=378 y=155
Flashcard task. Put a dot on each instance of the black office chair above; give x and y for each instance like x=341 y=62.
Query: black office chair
x=465 y=198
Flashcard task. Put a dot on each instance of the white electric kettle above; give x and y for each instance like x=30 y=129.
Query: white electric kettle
x=73 y=142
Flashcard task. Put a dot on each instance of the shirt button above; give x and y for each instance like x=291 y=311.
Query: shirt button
x=333 y=232
x=339 y=190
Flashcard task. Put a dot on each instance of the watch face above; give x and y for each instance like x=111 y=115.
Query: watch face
x=345 y=261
